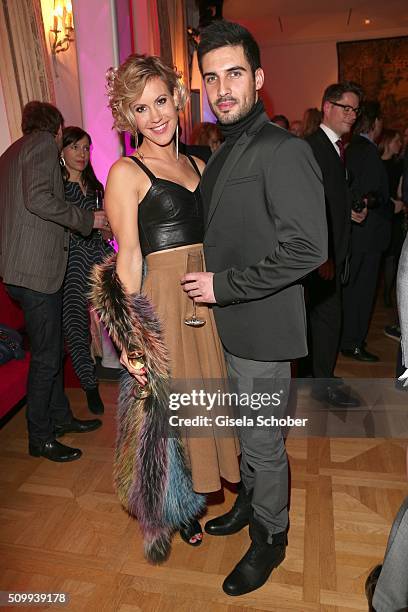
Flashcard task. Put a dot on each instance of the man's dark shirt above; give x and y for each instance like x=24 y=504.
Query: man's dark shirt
x=231 y=134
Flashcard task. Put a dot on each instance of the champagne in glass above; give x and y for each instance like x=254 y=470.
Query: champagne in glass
x=98 y=199
x=194 y=264
x=136 y=359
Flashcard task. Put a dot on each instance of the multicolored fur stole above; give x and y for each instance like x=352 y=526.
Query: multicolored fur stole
x=151 y=473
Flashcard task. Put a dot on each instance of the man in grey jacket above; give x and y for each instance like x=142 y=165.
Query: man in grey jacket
x=35 y=221
x=266 y=229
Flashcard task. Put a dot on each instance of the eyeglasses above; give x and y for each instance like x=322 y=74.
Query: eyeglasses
x=347 y=110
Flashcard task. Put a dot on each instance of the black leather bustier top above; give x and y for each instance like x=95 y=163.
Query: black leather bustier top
x=170 y=215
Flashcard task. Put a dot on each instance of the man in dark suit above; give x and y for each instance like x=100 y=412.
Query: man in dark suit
x=340 y=107
x=369 y=181
x=35 y=221
x=265 y=230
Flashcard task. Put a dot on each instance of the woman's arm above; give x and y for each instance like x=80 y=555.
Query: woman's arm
x=121 y=205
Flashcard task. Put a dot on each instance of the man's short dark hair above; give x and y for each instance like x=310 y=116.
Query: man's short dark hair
x=41 y=116
x=221 y=33
x=334 y=92
x=370 y=111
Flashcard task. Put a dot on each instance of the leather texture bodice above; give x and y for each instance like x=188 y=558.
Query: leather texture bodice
x=169 y=215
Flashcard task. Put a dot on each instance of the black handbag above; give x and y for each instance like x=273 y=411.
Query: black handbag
x=10 y=344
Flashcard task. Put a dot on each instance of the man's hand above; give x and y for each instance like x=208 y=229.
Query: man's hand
x=359 y=217
x=199 y=286
x=326 y=271
x=398 y=206
x=100 y=220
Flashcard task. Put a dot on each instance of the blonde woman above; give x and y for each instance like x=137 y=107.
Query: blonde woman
x=155 y=211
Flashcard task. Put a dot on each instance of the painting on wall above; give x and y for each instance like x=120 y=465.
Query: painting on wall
x=380 y=66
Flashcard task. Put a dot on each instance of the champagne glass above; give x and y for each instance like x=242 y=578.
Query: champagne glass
x=136 y=359
x=194 y=264
x=98 y=199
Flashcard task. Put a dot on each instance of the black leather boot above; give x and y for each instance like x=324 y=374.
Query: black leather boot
x=234 y=520
x=370 y=585
x=95 y=403
x=258 y=562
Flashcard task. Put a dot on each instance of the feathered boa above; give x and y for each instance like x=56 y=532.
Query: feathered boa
x=151 y=474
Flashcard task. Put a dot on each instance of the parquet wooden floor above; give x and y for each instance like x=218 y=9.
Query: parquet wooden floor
x=62 y=529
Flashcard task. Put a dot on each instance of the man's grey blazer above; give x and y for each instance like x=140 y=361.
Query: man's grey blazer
x=266 y=230
x=34 y=216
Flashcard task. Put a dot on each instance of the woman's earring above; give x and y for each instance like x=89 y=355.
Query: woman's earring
x=136 y=141
x=62 y=161
x=177 y=141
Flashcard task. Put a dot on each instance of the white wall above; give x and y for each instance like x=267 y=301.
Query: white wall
x=296 y=73
x=296 y=76
x=64 y=72
x=95 y=33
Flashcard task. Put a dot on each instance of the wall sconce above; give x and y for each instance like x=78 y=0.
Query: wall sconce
x=61 y=34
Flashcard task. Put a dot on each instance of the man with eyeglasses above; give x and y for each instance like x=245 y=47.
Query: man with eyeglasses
x=340 y=107
x=369 y=182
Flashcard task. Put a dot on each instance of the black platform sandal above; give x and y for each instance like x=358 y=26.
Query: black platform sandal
x=192 y=534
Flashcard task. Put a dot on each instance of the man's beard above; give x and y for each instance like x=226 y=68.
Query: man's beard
x=233 y=116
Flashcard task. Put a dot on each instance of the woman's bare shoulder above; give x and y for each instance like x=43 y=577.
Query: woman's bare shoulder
x=125 y=171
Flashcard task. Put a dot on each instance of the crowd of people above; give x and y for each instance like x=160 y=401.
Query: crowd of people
x=362 y=165
x=209 y=280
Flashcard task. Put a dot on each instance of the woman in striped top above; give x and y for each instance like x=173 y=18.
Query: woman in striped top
x=81 y=189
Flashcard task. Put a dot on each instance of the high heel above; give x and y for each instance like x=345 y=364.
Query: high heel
x=192 y=533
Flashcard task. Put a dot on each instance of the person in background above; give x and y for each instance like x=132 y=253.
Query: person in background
x=340 y=108
x=296 y=128
x=281 y=120
x=311 y=120
x=82 y=189
x=389 y=148
x=369 y=240
x=207 y=134
x=386 y=585
x=35 y=221
x=203 y=152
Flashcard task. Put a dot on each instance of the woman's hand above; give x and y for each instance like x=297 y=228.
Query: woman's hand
x=140 y=374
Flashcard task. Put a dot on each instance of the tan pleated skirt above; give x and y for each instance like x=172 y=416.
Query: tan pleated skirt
x=195 y=353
